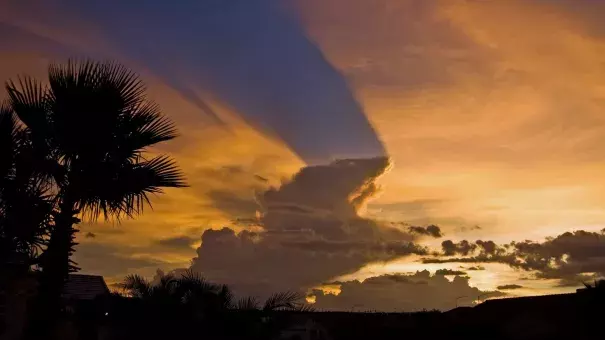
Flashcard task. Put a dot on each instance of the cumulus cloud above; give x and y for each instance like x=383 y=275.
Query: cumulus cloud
x=401 y=292
x=431 y=230
x=463 y=247
x=309 y=232
x=488 y=247
x=571 y=257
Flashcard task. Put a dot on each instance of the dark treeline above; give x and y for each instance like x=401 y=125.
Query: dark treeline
x=189 y=306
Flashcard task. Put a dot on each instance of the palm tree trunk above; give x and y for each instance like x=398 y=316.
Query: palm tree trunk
x=55 y=264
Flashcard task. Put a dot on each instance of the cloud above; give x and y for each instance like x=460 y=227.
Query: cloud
x=509 y=287
x=235 y=205
x=178 y=242
x=463 y=247
x=475 y=268
x=399 y=292
x=570 y=257
x=488 y=247
x=111 y=261
x=309 y=232
x=431 y=230
x=450 y=272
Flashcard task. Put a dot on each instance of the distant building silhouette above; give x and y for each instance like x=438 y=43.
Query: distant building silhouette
x=84 y=287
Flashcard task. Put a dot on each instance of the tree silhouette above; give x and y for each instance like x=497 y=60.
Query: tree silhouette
x=25 y=203
x=191 y=300
x=92 y=124
x=192 y=290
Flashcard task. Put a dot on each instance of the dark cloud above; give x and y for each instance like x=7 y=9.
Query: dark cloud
x=259 y=264
x=488 y=247
x=401 y=293
x=450 y=272
x=431 y=230
x=509 y=287
x=572 y=257
x=462 y=248
x=178 y=242
x=90 y=235
x=474 y=268
x=309 y=232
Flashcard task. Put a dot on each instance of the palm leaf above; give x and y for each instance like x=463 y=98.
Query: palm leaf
x=195 y=281
x=144 y=178
x=247 y=304
x=126 y=190
x=28 y=98
x=144 y=126
x=136 y=286
x=226 y=297
x=304 y=307
x=9 y=140
x=283 y=301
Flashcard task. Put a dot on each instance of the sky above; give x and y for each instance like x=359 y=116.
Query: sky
x=322 y=138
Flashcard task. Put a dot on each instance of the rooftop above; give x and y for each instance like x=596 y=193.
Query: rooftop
x=84 y=287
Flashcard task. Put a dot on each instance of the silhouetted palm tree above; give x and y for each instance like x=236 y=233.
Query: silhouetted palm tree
x=25 y=202
x=191 y=289
x=191 y=301
x=94 y=123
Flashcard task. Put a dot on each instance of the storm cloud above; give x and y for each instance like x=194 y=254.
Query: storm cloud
x=310 y=233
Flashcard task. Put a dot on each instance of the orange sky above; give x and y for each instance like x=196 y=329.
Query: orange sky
x=492 y=112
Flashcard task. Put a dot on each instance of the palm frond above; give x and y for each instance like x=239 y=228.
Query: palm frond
x=142 y=179
x=166 y=281
x=143 y=126
x=194 y=282
x=305 y=307
x=226 y=297
x=247 y=304
x=283 y=301
x=9 y=139
x=125 y=191
x=124 y=82
x=28 y=99
x=136 y=286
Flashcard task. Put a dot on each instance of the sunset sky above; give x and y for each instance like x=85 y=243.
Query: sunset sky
x=491 y=112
